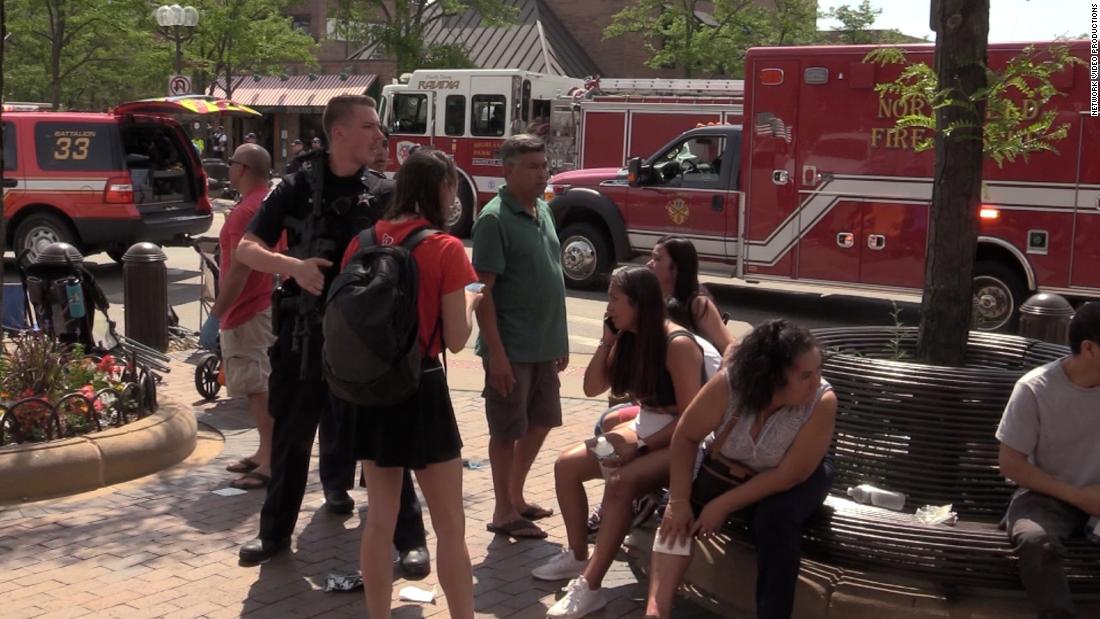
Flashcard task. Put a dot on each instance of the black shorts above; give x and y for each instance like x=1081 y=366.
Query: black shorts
x=413 y=434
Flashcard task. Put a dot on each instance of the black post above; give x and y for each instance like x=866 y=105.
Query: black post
x=176 y=38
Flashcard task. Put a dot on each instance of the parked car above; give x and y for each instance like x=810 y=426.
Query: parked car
x=101 y=181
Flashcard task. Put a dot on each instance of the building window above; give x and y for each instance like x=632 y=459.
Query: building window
x=488 y=115
x=454 y=121
x=302 y=23
x=410 y=113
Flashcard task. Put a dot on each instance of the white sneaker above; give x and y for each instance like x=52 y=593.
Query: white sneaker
x=578 y=601
x=561 y=566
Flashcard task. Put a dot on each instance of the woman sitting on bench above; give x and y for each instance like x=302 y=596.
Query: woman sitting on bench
x=643 y=354
x=772 y=416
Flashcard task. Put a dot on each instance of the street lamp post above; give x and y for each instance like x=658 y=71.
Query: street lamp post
x=177 y=23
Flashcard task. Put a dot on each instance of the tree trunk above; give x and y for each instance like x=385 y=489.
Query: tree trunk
x=55 y=57
x=962 y=28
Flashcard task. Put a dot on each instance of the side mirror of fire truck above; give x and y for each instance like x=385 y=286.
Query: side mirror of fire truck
x=636 y=172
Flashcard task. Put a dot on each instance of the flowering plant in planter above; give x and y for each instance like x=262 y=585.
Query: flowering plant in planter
x=49 y=390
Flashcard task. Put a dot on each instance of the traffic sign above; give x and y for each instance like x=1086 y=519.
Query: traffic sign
x=179 y=85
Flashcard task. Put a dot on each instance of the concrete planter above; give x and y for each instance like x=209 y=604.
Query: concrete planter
x=37 y=470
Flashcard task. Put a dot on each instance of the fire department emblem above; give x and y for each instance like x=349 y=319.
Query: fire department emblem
x=677 y=211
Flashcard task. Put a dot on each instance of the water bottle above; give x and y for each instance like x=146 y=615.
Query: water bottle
x=870 y=495
x=74 y=298
x=603 y=450
x=1092 y=530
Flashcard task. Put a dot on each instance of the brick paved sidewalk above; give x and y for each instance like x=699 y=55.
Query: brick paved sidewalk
x=164 y=546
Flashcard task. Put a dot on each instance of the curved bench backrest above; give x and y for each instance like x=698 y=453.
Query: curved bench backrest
x=927 y=431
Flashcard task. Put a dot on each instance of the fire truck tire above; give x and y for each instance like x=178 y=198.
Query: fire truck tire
x=40 y=230
x=461 y=218
x=998 y=292
x=585 y=256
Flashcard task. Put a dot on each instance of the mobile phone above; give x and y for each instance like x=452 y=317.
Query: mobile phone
x=670 y=547
x=610 y=324
x=475 y=287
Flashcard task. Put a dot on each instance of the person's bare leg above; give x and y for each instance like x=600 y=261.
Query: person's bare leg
x=376 y=548
x=501 y=455
x=636 y=478
x=665 y=575
x=573 y=467
x=527 y=449
x=442 y=487
x=257 y=405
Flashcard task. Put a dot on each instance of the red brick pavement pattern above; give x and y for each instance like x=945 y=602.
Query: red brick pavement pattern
x=164 y=546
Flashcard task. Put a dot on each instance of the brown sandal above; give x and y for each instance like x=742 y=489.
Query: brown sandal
x=244 y=465
x=251 y=481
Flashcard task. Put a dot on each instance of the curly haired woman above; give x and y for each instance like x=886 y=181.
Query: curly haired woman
x=772 y=415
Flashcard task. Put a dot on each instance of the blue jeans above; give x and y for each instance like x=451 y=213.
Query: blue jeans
x=776 y=526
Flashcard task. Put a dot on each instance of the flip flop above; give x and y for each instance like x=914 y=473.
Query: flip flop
x=244 y=465
x=519 y=528
x=536 y=512
x=251 y=481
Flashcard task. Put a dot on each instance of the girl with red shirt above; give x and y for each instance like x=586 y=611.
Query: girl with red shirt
x=422 y=433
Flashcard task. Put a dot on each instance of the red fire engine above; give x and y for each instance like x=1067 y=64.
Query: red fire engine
x=468 y=113
x=821 y=187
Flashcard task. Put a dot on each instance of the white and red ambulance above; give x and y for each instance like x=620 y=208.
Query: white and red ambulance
x=821 y=187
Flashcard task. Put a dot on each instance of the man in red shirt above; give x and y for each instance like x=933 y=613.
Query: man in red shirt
x=243 y=309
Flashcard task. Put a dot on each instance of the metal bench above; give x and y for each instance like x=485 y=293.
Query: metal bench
x=927 y=431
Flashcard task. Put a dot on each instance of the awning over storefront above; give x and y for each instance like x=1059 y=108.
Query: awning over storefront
x=298 y=91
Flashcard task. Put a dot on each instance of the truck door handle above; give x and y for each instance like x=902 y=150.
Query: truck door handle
x=847 y=240
x=876 y=242
x=10 y=182
x=717 y=203
x=780 y=177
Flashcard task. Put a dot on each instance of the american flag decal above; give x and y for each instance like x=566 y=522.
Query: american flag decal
x=770 y=124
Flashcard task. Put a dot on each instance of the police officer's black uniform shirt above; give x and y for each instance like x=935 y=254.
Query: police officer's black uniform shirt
x=346 y=209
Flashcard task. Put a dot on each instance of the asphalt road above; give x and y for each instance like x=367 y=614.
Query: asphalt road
x=747 y=304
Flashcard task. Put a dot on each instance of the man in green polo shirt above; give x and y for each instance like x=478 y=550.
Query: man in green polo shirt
x=523 y=340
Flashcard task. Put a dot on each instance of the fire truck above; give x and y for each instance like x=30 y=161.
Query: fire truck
x=821 y=187
x=595 y=122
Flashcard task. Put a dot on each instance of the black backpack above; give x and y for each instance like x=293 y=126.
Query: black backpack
x=371 y=354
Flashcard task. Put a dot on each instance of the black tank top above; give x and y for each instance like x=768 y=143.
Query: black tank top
x=665 y=394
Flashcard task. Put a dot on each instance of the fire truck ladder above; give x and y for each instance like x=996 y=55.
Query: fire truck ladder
x=661 y=86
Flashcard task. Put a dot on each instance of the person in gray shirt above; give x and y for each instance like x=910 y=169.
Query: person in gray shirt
x=1048 y=439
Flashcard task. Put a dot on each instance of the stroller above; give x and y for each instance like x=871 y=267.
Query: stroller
x=208 y=373
x=60 y=296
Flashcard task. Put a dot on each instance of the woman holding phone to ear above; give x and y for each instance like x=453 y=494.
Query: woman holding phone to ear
x=661 y=365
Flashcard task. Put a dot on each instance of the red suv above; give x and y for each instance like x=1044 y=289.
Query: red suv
x=100 y=181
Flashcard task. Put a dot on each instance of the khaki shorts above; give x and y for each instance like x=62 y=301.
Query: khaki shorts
x=535 y=400
x=244 y=355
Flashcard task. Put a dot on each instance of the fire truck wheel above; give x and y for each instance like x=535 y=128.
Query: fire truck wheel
x=998 y=293
x=585 y=256
x=460 y=217
x=39 y=231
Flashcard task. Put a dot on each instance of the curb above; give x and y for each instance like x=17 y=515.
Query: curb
x=39 y=470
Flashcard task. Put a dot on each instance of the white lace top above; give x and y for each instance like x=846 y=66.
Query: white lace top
x=775 y=437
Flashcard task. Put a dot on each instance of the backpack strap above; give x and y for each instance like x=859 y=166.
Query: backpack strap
x=416 y=236
x=367 y=238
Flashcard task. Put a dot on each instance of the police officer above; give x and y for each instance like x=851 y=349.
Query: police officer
x=350 y=199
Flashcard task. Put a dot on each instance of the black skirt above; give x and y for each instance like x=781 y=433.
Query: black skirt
x=413 y=434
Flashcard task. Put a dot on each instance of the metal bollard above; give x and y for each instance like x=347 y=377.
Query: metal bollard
x=145 y=293
x=1046 y=317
